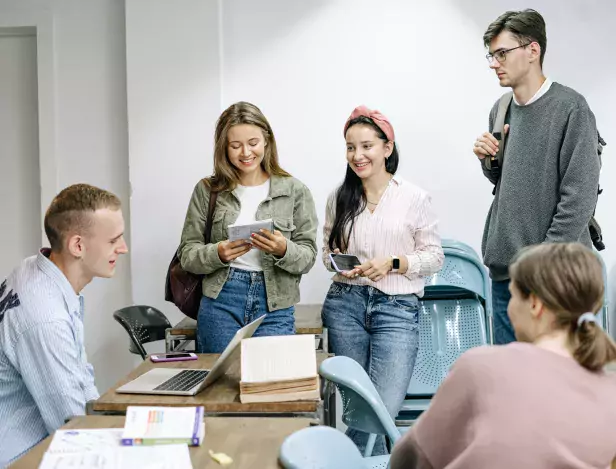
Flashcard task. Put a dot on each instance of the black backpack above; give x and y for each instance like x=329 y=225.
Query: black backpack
x=495 y=163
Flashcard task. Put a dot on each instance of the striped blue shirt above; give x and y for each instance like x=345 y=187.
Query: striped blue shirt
x=45 y=377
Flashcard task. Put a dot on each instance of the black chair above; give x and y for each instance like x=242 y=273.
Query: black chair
x=144 y=324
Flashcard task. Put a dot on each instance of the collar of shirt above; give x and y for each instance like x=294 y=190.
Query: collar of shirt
x=540 y=92
x=73 y=301
x=397 y=179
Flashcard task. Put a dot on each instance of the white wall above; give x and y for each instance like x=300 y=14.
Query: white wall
x=307 y=65
x=174 y=98
x=20 y=222
x=83 y=137
x=423 y=66
x=309 y=75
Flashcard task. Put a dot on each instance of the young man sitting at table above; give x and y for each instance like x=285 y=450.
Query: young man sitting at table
x=45 y=376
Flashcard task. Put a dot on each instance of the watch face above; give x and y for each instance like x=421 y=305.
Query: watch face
x=396 y=263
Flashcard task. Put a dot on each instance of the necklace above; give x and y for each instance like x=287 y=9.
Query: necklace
x=376 y=203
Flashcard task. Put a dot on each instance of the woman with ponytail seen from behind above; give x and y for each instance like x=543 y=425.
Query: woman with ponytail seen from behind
x=546 y=401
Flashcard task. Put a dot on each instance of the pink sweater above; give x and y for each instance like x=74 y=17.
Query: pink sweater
x=515 y=406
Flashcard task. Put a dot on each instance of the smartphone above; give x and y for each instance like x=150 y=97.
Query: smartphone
x=344 y=262
x=173 y=357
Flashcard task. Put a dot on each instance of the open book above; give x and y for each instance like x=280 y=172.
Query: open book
x=278 y=369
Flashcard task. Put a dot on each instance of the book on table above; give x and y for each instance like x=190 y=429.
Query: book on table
x=163 y=425
x=279 y=369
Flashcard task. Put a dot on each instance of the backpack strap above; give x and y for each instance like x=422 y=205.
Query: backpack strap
x=498 y=131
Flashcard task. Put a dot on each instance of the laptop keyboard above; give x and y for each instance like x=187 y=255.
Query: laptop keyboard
x=183 y=381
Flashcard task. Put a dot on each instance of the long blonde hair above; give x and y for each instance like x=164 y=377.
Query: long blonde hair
x=568 y=279
x=226 y=176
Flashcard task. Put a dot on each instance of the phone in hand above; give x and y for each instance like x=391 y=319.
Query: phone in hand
x=344 y=262
x=173 y=357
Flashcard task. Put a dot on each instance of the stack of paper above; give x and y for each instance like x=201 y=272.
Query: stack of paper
x=163 y=425
x=279 y=368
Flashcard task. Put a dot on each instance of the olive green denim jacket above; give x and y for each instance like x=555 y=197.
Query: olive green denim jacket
x=291 y=207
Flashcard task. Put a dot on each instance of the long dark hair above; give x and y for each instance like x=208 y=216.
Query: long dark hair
x=350 y=196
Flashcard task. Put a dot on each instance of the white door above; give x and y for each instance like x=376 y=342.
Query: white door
x=20 y=191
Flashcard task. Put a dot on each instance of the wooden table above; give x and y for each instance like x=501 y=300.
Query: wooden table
x=220 y=398
x=307 y=321
x=251 y=442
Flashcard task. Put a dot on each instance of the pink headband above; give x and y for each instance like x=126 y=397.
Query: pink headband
x=379 y=119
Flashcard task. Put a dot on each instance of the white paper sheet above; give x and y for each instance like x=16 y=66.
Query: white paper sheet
x=125 y=457
x=244 y=231
x=75 y=441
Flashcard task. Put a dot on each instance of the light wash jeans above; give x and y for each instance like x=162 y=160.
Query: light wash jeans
x=503 y=330
x=241 y=301
x=381 y=333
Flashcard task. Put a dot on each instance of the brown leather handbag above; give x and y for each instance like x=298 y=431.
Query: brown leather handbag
x=183 y=288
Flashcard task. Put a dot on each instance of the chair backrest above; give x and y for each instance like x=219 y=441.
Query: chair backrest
x=362 y=407
x=320 y=447
x=447 y=328
x=462 y=275
x=452 y=243
x=144 y=324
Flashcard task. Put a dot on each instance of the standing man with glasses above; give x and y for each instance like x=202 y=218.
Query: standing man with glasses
x=547 y=187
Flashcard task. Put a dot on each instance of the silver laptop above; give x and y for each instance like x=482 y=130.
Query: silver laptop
x=188 y=382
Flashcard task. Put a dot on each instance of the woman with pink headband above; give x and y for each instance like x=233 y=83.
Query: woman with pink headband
x=371 y=310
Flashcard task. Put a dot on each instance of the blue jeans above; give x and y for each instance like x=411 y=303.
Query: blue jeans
x=503 y=330
x=241 y=301
x=381 y=333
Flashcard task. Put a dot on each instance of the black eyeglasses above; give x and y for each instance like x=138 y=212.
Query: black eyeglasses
x=501 y=55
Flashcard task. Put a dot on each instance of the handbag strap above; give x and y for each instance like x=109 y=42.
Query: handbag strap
x=207 y=234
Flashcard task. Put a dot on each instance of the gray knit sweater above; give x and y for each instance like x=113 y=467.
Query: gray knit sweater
x=548 y=186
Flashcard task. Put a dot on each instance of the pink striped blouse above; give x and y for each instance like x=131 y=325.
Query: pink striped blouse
x=403 y=222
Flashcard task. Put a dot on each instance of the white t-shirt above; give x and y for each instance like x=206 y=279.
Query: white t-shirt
x=250 y=199
x=540 y=92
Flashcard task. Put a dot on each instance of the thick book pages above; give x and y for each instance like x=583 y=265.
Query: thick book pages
x=313 y=395
x=163 y=425
x=279 y=368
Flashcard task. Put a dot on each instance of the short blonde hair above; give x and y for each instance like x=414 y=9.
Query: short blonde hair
x=568 y=279
x=70 y=211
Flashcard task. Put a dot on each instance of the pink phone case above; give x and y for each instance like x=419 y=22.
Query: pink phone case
x=157 y=359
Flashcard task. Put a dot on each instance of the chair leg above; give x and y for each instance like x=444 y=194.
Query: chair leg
x=370 y=445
